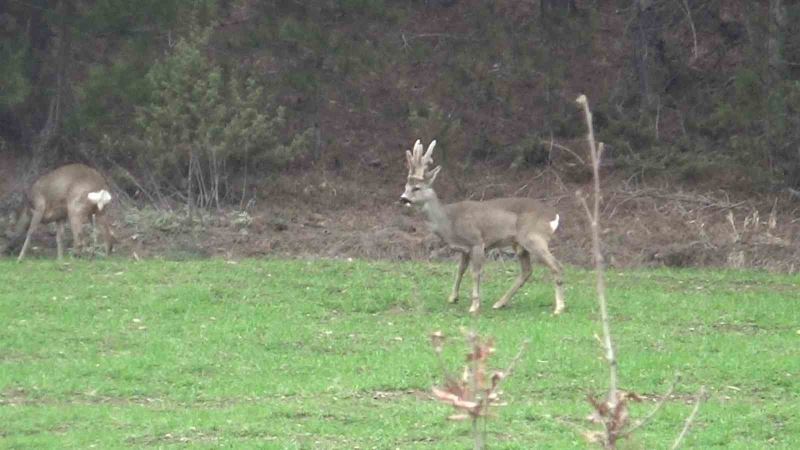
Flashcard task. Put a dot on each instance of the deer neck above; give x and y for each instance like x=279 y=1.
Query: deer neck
x=437 y=217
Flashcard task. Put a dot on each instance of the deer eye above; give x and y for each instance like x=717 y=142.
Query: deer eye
x=415 y=189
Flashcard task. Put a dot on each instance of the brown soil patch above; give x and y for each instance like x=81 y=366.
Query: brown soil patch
x=356 y=214
x=320 y=214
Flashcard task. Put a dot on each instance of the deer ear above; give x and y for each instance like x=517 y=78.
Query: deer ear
x=431 y=175
x=409 y=157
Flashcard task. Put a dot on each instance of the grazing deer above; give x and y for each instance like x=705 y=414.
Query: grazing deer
x=74 y=192
x=473 y=227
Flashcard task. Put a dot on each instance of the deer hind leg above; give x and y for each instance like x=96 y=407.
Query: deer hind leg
x=525 y=271
x=105 y=229
x=462 y=267
x=476 y=262
x=35 y=220
x=60 y=239
x=76 y=223
x=537 y=245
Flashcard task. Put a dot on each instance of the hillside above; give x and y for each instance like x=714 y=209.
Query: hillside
x=697 y=112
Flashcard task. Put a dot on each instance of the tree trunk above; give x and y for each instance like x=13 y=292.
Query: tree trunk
x=190 y=186
x=52 y=126
x=782 y=157
x=641 y=44
x=777 y=28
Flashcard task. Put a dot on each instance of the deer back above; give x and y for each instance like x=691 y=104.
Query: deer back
x=68 y=185
x=498 y=222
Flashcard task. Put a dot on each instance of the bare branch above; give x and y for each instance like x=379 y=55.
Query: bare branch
x=586 y=209
x=517 y=357
x=688 y=12
x=595 y=152
x=406 y=44
x=642 y=422
x=552 y=143
x=689 y=420
x=613 y=412
x=478 y=389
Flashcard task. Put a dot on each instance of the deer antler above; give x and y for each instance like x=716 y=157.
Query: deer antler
x=417 y=162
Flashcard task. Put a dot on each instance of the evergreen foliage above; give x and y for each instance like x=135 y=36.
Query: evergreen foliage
x=687 y=89
x=199 y=120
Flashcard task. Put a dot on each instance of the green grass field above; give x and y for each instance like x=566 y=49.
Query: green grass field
x=334 y=354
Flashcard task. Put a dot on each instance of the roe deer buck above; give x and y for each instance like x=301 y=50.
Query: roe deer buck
x=473 y=227
x=74 y=192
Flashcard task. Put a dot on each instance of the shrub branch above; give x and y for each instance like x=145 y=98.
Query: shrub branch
x=595 y=152
x=613 y=413
x=690 y=420
x=478 y=389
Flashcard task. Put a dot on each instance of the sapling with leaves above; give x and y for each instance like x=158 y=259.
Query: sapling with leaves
x=612 y=412
x=477 y=391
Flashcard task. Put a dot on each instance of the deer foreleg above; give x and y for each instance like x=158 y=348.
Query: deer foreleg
x=476 y=259
x=462 y=267
x=35 y=219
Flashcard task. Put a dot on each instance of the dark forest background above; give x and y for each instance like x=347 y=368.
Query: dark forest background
x=197 y=100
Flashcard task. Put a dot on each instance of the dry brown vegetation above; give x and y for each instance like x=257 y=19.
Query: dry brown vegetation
x=334 y=215
x=499 y=101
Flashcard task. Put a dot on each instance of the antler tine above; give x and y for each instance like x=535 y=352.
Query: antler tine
x=417 y=151
x=428 y=159
x=418 y=162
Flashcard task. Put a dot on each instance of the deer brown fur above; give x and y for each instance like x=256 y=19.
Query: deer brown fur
x=474 y=227
x=74 y=192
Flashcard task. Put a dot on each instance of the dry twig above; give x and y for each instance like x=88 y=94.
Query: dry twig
x=478 y=388
x=642 y=422
x=690 y=420
x=688 y=11
x=613 y=412
x=595 y=152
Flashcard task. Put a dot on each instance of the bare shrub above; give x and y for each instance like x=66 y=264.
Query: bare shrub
x=611 y=413
x=477 y=390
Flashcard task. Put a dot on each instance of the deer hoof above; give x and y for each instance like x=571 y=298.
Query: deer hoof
x=452 y=299
x=558 y=311
x=499 y=305
x=474 y=308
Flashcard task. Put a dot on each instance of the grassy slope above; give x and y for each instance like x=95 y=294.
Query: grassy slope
x=326 y=354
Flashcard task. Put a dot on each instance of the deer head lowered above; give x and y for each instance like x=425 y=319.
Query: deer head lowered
x=473 y=227
x=73 y=192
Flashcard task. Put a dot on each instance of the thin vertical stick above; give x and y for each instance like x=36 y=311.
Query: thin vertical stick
x=688 y=12
x=690 y=419
x=594 y=218
x=476 y=434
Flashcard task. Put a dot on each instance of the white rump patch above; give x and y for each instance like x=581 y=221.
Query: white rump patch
x=554 y=223
x=100 y=198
